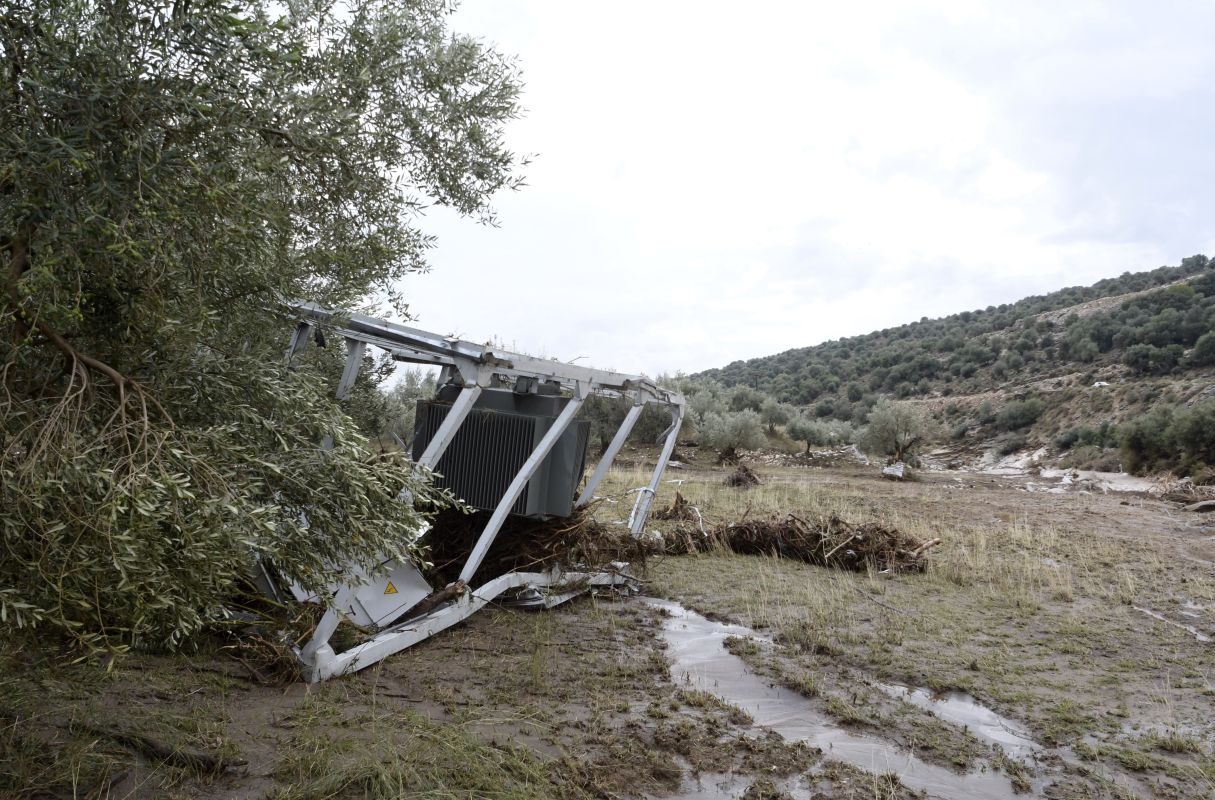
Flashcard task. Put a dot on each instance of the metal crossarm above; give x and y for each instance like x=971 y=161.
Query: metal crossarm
x=376 y=603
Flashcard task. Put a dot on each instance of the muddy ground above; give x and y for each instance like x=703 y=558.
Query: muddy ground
x=1053 y=648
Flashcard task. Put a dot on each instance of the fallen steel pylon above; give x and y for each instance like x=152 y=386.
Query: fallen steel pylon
x=490 y=385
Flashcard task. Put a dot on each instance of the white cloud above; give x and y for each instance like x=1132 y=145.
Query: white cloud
x=715 y=183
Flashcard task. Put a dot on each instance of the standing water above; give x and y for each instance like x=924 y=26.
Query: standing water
x=963 y=710
x=695 y=646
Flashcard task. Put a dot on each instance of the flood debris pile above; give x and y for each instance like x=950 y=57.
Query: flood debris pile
x=1185 y=491
x=830 y=542
x=530 y=545
x=680 y=539
x=679 y=510
x=743 y=477
x=527 y=544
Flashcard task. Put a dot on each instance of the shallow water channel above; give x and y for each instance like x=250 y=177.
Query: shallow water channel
x=695 y=646
x=964 y=711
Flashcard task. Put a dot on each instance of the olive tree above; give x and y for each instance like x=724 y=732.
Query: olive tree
x=703 y=395
x=731 y=431
x=402 y=399
x=774 y=412
x=744 y=397
x=170 y=172
x=897 y=429
x=806 y=428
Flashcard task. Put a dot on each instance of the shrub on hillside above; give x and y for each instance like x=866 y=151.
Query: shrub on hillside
x=1194 y=434
x=1067 y=439
x=1104 y=435
x=1148 y=359
x=1204 y=351
x=1182 y=440
x=1019 y=414
x=1148 y=442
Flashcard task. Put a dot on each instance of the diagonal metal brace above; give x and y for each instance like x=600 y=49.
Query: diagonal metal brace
x=516 y=487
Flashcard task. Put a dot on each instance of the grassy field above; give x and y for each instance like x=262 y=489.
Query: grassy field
x=1029 y=607
x=1034 y=604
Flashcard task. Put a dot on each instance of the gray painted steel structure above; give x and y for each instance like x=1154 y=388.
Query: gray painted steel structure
x=472 y=367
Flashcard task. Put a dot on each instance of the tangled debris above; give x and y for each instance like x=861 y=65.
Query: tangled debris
x=743 y=477
x=833 y=542
x=679 y=509
x=579 y=540
x=526 y=544
x=1184 y=491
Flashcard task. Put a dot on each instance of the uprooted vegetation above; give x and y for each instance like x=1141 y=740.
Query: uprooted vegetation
x=150 y=432
x=828 y=541
x=742 y=478
x=526 y=544
x=582 y=540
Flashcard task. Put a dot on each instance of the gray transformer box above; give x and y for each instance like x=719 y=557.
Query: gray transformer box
x=489 y=449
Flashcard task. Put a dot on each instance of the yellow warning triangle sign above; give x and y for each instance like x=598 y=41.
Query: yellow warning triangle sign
x=390 y=589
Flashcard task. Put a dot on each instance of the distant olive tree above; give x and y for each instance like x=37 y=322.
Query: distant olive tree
x=897 y=429
x=703 y=395
x=744 y=397
x=1019 y=414
x=774 y=413
x=731 y=431
x=402 y=401
x=805 y=428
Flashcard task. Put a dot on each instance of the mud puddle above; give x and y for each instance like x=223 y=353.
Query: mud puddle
x=695 y=646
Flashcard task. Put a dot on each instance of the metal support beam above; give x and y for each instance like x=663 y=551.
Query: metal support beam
x=516 y=487
x=609 y=455
x=641 y=509
x=318 y=650
x=354 y=360
x=404 y=343
x=451 y=423
x=299 y=340
x=327 y=664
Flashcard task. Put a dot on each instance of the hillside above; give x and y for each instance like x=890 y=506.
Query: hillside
x=976 y=350
x=1062 y=369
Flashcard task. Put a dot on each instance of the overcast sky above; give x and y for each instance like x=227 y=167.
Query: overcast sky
x=718 y=181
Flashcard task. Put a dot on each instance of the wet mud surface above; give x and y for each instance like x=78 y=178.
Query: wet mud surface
x=699 y=658
x=1058 y=646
